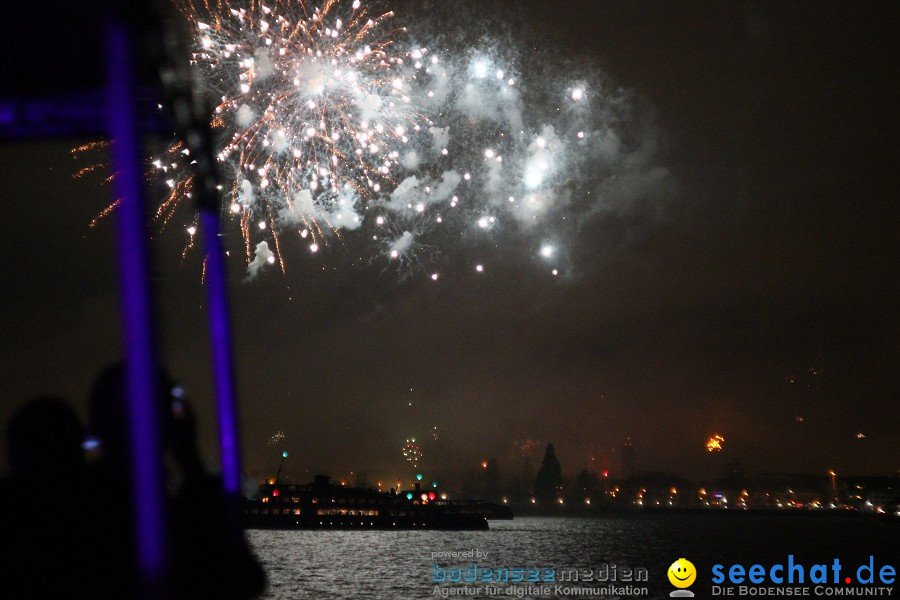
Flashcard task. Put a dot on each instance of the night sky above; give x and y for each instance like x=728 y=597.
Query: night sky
x=758 y=285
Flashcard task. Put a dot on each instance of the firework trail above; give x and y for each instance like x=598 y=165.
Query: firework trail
x=329 y=120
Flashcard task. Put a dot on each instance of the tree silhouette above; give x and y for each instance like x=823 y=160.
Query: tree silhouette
x=548 y=483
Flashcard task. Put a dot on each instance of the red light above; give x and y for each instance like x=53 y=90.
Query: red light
x=484 y=464
x=274 y=493
x=606 y=473
x=432 y=496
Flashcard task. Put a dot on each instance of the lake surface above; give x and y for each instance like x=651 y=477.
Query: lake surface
x=387 y=564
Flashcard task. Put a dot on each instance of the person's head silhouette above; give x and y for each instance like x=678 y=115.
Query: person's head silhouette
x=45 y=434
x=109 y=416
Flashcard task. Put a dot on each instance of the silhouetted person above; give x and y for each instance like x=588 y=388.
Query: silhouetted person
x=45 y=435
x=209 y=558
x=199 y=540
x=111 y=509
x=42 y=502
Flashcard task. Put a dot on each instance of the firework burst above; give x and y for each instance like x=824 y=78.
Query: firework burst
x=328 y=119
x=715 y=443
x=314 y=109
x=412 y=452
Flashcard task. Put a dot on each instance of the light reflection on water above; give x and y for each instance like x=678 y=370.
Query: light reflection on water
x=388 y=564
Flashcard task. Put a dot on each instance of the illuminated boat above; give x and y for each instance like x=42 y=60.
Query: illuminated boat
x=322 y=505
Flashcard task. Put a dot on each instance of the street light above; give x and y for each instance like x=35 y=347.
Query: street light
x=833 y=483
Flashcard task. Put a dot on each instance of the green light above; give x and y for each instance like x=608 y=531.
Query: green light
x=419 y=477
x=434 y=484
x=409 y=495
x=284 y=454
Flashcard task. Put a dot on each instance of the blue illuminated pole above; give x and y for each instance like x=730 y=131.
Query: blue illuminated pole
x=220 y=342
x=222 y=359
x=137 y=311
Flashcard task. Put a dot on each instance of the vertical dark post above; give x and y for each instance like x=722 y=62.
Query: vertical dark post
x=192 y=114
x=137 y=311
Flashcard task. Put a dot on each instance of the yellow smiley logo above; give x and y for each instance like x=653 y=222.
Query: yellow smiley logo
x=682 y=573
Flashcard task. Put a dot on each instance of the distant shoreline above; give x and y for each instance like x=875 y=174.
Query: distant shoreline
x=768 y=512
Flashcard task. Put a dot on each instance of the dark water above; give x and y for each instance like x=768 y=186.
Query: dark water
x=339 y=564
